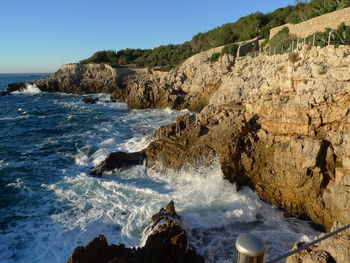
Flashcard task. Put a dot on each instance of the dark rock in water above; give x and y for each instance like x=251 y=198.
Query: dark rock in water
x=118 y=160
x=4 y=93
x=17 y=86
x=90 y=100
x=166 y=243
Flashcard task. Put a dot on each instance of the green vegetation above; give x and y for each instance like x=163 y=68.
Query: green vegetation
x=120 y=58
x=215 y=57
x=284 y=42
x=308 y=9
x=230 y=49
x=257 y=24
x=341 y=36
x=165 y=57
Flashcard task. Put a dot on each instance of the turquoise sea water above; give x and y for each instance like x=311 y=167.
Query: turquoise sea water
x=50 y=204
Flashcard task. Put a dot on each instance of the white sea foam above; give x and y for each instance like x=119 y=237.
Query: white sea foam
x=31 y=89
x=214 y=213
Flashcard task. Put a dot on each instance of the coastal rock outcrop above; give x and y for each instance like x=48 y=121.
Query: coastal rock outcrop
x=188 y=87
x=75 y=78
x=166 y=243
x=279 y=124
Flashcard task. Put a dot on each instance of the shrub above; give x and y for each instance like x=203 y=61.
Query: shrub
x=214 y=57
x=230 y=49
x=281 y=41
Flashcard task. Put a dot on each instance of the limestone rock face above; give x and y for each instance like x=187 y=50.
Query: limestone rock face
x=167 y=243
x=303 y=112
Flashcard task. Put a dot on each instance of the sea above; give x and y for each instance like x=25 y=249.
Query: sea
x=49 y=203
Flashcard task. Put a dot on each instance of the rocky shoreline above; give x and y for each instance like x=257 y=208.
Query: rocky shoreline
x=279 y=124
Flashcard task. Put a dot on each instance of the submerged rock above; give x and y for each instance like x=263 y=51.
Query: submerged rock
x=4 y=93
x=118 y=160
x=90 y=100
x=166 y=243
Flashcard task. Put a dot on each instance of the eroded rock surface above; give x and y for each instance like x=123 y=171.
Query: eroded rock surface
x=167 y=243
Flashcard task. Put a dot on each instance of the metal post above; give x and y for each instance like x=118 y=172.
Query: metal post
x=250 y=248
x=314 y=39
x=293 y=45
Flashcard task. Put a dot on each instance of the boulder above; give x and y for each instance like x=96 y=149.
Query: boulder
x=118 y=160
x=167 y=243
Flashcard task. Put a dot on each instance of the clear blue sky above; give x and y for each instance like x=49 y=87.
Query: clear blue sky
x=40 y=35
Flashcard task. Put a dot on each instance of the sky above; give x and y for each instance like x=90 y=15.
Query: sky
x=40 y=35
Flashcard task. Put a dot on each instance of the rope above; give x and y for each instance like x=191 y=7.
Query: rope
x=309 y=244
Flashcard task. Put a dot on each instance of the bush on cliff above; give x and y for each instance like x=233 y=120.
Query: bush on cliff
x=213 y=58
x=281 y=42
x=165 y=57
x=230 y=49
x=340 y=36
x=306 y=10
x=120 y=58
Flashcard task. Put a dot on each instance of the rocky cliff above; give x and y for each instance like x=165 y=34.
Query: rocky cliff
x=279 y=124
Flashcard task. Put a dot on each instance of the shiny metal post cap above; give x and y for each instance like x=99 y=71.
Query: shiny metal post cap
x=250 y=245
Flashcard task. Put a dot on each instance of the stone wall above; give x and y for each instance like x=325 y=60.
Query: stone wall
x=317 y=24
x=248 y=46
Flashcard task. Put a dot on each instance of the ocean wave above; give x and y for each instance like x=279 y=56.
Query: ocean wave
x=30 y=89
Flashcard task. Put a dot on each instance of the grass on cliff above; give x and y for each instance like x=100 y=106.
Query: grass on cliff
x=257 y=24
